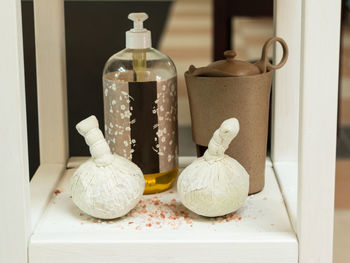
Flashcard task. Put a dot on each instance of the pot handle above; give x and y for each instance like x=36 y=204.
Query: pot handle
x=264 y=63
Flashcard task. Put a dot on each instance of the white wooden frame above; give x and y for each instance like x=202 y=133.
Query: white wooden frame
x=316 y=160
x=309 y=27
x=14 y=186
x=52 y=101
x=304 y=118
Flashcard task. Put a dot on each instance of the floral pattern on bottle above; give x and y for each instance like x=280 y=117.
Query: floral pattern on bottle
x=167 y=136
x=118 y=116
x=119 y=121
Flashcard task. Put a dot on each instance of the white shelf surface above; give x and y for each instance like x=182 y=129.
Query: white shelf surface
x=161 y=229
x=287 y=174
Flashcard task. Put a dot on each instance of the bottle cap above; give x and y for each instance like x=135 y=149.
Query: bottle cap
x=138 y=37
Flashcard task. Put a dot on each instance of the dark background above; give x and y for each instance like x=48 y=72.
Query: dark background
x=95 y=30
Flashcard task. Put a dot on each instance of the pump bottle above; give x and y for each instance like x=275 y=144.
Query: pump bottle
x=140 y=107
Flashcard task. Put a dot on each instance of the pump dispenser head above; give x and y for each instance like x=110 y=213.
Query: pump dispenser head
x=138 y=37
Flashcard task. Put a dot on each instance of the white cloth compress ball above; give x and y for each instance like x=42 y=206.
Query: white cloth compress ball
x=106 y=186
x=215 y=184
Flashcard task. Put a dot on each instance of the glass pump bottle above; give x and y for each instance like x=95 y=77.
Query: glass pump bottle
x=140 y=107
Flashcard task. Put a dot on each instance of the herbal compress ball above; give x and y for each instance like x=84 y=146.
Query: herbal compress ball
x=215 y=184
x=106 y=186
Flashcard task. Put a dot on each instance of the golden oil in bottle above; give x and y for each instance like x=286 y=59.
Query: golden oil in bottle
x=140 y=107
x=160 y=182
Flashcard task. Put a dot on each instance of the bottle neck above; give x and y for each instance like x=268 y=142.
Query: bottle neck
x=138 y=40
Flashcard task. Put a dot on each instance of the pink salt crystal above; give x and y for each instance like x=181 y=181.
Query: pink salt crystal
x=57 y=191
x=81 y=214
x=149 y=225
x=173 y=200
x=265 y=198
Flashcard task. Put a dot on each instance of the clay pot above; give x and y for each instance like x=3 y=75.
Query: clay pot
x=233 y=88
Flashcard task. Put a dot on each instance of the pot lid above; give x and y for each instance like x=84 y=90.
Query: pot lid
x=234 y=66
x=227 y=67
x=231 y=67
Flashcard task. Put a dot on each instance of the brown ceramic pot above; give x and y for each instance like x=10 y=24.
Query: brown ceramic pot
x=233 y=88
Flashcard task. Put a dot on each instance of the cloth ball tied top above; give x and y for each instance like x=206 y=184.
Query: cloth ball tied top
x=215 y=184
x=107 y=185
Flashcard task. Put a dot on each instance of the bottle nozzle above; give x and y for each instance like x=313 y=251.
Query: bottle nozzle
x=138 y=37
x=138 y=19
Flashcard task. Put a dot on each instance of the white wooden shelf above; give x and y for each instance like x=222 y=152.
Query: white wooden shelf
x=161 y=229
x=303 y=143
x=287 y=175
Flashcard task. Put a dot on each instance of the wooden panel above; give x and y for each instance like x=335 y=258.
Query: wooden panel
x=317 y=128
x=51 y=80
x=14 y=190
x=285 y=99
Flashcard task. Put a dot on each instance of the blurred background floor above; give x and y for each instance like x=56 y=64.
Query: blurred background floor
x=188 y=40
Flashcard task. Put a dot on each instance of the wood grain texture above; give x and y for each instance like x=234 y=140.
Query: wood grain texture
x=14 y=182
x=51 y=80
x=317 y=128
